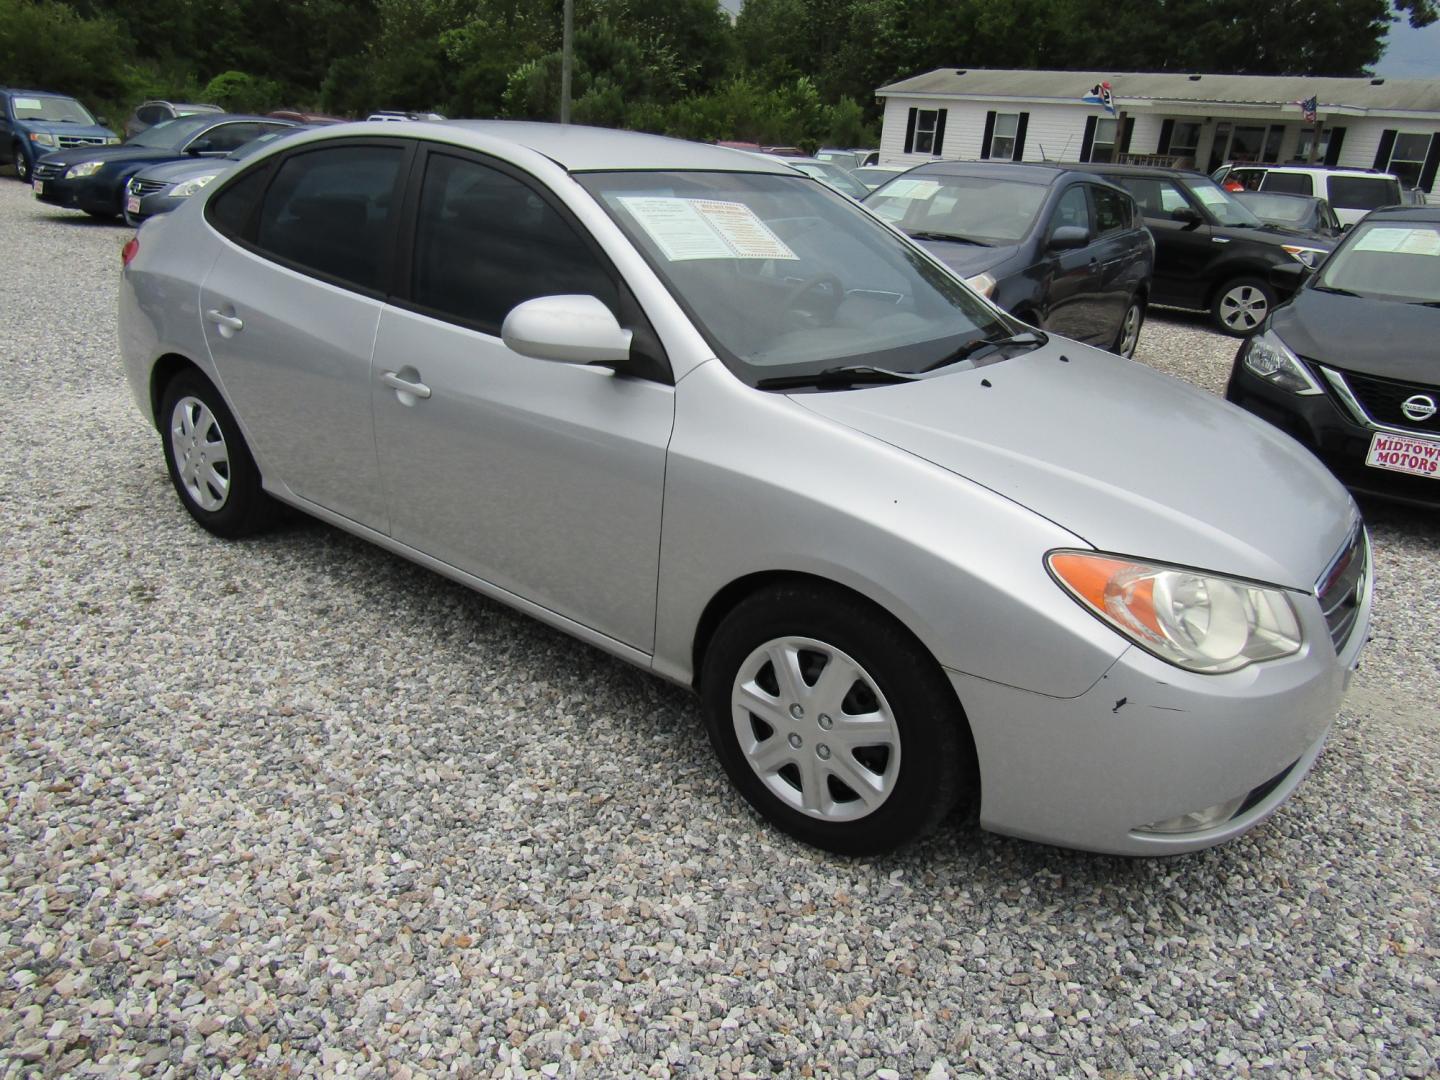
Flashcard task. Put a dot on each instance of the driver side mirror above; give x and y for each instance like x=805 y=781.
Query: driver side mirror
x=566 y=329
x=1186 y=215
x=1067 y=237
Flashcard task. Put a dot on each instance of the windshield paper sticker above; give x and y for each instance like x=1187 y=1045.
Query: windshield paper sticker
x=1210 y=196
x=705 y=229
x=27 y=103
x=1400 y=241
x=911 y=189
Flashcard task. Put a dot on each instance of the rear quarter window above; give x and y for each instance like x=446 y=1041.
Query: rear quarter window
x=231 y=210
x=1289 y=183
x=1363 y=192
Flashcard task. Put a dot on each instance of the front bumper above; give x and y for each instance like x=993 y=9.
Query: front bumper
x=1328 y=430
x=93 y=194
x=1150 y=742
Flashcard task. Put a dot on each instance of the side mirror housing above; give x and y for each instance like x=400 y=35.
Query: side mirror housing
x=1287 y=277
x=566 y=329
x=1069 y=236
x=1186 y=215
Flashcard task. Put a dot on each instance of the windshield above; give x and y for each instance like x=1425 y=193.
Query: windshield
x=983 y=209
x=254 y=146
x=170 y=134
x=1284 y=209
x=834 y=176
x=1395 y=260
x=786 y=278
x=1221 y=203
x=56 y=110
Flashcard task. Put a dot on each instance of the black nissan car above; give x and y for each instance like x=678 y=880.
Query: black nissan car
x=93 y=179
x=1061 y=249
x=1212 y=254
x=1351 y=365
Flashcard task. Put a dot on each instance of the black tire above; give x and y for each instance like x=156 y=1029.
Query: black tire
x=102 y=215
x=242 y=508
x=935 y=754
x=1125 y=342
x=1240 y=306
x=22 y=165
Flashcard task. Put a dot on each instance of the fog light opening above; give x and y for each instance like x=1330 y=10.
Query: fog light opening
x=1196 y=820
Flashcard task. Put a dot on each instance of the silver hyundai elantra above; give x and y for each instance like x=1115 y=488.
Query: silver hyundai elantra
x=702 y=412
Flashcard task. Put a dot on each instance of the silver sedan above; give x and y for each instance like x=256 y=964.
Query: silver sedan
x=701 y=412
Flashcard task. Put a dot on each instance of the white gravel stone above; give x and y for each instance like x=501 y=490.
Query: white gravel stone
x=294 y=806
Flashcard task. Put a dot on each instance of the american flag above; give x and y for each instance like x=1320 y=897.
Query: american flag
x=1307 y=108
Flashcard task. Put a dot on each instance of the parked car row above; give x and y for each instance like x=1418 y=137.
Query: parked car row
x=743 y=433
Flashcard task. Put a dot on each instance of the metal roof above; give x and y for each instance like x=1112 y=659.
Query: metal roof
x=1371 y=95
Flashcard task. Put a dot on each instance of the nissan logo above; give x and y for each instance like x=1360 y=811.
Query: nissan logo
x=1419 y=408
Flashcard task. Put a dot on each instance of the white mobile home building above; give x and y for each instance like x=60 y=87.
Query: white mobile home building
x=1199 y=121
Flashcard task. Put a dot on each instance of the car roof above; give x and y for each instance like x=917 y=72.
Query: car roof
x=1406 y=213
x=17 y=91
x=1044 y=173
x=577 y=148
x=1278 y=195
x=1350 y=169
x=1104 y=167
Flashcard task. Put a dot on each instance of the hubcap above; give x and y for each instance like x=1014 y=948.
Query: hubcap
x=816 y=729
x=201 y=456
x=1130 y=333
x=1243 y=308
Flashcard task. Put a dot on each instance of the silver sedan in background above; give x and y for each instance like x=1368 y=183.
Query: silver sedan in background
x=707 y=415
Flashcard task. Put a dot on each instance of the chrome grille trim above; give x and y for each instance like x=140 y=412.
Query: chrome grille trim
x=146 y=187
x=1341 y=588
x=68 y=141
x=1347 y=397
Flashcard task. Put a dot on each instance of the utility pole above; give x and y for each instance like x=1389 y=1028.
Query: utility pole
x=567 y=60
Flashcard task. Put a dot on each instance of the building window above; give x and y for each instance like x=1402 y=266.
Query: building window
x=1002 y=139
x=1407 y=158
x=1184 y=138
x=1307 y=136
x=925 y=122
x=1103 y=148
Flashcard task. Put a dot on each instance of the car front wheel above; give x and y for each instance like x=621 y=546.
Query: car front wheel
x=208 y=461
x=832 y=720
x=1240 y=306
x=1128 y=337
x=22 y=165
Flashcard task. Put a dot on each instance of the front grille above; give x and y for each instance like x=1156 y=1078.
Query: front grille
x=47 y=171
x=146 y=187
x=1382 y=400
x=1341 y=588
x=67 y=141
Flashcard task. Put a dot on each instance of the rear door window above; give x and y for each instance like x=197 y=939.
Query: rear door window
x=1363 y=192
x=1289 y=183
x=328 y=212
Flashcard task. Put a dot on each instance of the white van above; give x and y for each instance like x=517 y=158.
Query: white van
x=1352 y=193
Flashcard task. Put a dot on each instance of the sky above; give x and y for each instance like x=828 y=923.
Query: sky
x=1411 y=54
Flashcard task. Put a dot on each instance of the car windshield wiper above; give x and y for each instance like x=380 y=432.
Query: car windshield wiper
x=1026 y=338
x=954 y=238
x=1334 y=289
x=846 y=375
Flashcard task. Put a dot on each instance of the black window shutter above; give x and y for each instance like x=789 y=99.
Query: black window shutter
x=1387 y=144
x=1167 y=132
x=939 y=132
x=1124 y=147
x=1020 y=126
x=910 y=131
x=1431 y=166
x=1089 y=140
x=1332 y=149
x=989 y=131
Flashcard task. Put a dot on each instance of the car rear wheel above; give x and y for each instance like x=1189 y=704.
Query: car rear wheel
x=1128 y=337
x=208 y=461
x=833 y=722
x=1240 y=306
x=22 y=166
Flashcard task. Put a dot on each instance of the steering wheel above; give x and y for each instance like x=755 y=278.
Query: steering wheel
x=834 y=291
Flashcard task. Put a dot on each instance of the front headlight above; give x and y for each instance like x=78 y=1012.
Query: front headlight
x=1196 y=620
x=984 y=284
x=43 y=138
x=1308 y=256
x=190 y=187
x=112 y=140
x=1270 y=358
x=85 y=168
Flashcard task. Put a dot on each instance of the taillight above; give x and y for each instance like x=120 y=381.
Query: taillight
x=130 y=250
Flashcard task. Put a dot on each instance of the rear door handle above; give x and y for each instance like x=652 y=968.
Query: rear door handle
x=229 y=322
x=395 y=382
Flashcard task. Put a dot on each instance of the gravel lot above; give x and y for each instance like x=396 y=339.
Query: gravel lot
x=295 y=806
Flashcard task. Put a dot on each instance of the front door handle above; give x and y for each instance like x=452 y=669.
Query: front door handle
x=395 y=382
x=229 y=322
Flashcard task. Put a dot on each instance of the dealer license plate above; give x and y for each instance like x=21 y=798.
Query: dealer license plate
x=1402 y=453
x=132 y=204
x=39 y=187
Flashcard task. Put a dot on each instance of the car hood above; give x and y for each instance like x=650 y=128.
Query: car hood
x=110 y=153
x=1275 y=234
x=89 y=131
x=175 y=172
x=1130 y=460
x=967 y=260
x=1344 y=332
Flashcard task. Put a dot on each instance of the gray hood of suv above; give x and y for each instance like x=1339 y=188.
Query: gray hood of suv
x=1133 y=461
